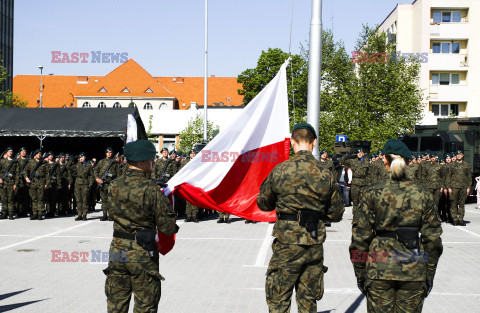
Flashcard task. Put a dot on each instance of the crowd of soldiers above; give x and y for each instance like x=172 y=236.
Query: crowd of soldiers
x=47 y=185
x=449 y=179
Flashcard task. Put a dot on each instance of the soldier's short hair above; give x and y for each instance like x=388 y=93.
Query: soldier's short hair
x=303 y=135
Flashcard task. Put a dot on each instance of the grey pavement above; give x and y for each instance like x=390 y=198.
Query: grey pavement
x=213 y=268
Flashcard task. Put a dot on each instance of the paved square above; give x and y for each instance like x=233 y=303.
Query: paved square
x=214 y=268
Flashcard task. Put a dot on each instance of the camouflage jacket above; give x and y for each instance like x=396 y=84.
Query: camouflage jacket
x=83 y=174
x=64 y=177
x=102 y=166
x=12 y=177
x=169 y=171
x=184 y=163
x=54 y=173
x=424 y=169
x=40 y=177
x=300 y=183
x=377 y=172
x=137 y=203
x=359 y=170
x=413 y=172
x=435 y=176
x=460 y=175
x=385 y=207
x=22 y=166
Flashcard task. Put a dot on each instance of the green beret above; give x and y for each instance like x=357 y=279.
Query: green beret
x=109 y=149
x=37 y=151
x=23 y=149
x=323 y=151
x=179 y=152
x=140 y=150
x=172 y=152
x=380 y=151
x=359 y=150
x=305 y=126
x=49 y=153
x=164 y=149
x=458 y=152
x=192 y=151
x=397 y=147
x=81 y=154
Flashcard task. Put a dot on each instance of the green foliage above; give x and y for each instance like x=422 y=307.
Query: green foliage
x=7 y=98
x=193 y=133
x=372 y=101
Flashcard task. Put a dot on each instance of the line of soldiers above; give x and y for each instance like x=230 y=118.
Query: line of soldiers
x=448 y=179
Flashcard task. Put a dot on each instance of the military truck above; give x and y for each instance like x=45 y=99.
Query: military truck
x=346 y=147
x=449 y=136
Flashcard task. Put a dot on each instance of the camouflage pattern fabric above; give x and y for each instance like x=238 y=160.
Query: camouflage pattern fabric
x=395 y=296
x=84 y=179
x=169 y=171
x=385 y=207
x=51 y=191
x=413 y=172
x=136 y=204
x=64 y=180
x=37 y=186
x=457 y=204
x=297 y=260
x=377 y=172
x=360 y=170
x=223 y=215
x=7 y=194
x=112 y=174
x=459 y=181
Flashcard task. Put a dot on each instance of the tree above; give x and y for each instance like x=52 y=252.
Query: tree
x=193 y=133
x=7 y=98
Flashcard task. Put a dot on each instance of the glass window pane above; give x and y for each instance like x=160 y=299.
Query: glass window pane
x=454 y=109
x=456 y=17
x=435 y=79
x=444 y=110
x=446 y=17
x=445 y=47
x=436 y=47
x=455 y=79
x=444 y=79
x=435 y=109
x=455 y=47
x=437 y=17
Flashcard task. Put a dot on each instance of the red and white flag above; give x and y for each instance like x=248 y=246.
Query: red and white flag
x=226 y=175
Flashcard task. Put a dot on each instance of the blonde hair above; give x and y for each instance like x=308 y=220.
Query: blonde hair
x=397 y=166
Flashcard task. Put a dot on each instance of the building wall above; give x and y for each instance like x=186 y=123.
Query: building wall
x=416 y=32
x=156 y=103
x=6 y=40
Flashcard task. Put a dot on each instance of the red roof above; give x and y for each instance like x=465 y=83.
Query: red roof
x=127 y=80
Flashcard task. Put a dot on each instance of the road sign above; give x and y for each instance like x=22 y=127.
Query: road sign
x=341 y=138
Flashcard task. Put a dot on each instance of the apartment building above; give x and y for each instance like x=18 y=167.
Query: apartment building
x=445 y=35
x=6 y=40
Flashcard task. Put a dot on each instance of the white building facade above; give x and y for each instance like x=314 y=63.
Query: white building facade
x=445 y=35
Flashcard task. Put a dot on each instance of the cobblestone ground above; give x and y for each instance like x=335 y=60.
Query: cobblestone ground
x=214 y=268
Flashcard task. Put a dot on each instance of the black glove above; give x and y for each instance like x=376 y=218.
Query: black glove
x=361 y=284
x=429 y=286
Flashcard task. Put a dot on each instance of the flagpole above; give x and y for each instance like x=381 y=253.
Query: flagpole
x=315 y=69
x=205 y=95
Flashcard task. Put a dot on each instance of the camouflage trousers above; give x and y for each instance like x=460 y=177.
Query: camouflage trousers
x=62 y=199
x=191 y=210
x=223 y=215
x=37 y=192
x=23 y=201
x=437 y=195
x=457 y=204
x=7 y=194
x=51 y=200
x=356 y=195
x=395 y=296
x=104 y=197
x=125 y=278
x=294 y=266
x=81 y=195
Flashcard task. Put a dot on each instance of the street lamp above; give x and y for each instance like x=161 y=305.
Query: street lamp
x=41 y=85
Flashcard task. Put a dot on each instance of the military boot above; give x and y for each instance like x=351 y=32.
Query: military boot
x=221 y=220
x=33 y=216
x=105 y=217
x=227 y=220
x=40 y=217
x=3 y=216
x=248 y=221
x=78 y=218
x=195 y=219
x=10 y=217
x=84 y=217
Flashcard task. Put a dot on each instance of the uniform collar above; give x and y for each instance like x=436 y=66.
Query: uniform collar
x=136 y=173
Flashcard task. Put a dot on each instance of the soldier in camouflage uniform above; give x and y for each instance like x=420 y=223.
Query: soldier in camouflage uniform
x=459 y=184
x=413 y=171
x=112 y=173
x=304 y=195
x=51 y=191
x=435 y=181
x=360 y=168
x=139 y=208
x=23 y=199
x=37 y=176
x=160 y=168
x=328 y=164
x=71 y=162
x=377 y=171
x=8 y=171
x=84 y=180
x=394 y=268
x=191 y=211
x=64 y=182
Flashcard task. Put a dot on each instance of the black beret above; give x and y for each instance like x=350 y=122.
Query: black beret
x=305 y=126
x=139 y=150
x=397 y=147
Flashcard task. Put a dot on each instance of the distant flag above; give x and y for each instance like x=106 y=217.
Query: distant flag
x=131 y=129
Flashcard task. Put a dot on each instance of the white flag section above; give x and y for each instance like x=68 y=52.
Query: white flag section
x=131 y=129
x=226 y=175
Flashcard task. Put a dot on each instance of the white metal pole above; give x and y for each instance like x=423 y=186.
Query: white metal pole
x=205 y=96
x=315 y=69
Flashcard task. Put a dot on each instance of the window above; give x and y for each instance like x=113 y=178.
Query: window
x=436 y=47
x=148 y=106
x=163 y=106
x=132 y=105
x=125 y=90
x=445 y=109
x=117 y=105
x=446 y=47
x=102 y=105
x=455 y=79
x=445 y=79
x=446 y=17
x=86 y=105
x=103 y=90
x=455 y=47
x=437 y=17
x=456 y=17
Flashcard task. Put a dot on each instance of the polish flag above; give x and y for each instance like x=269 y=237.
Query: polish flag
x=226 y=175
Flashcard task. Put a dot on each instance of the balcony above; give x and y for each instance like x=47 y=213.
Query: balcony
x=449 y=93
x=450 y=31
x=448 y=62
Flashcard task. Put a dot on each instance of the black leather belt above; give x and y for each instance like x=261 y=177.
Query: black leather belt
x=287 y=217
x=386 y=233
x=122 y=235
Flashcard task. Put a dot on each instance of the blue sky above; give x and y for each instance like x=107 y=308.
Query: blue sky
x=167 y=37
